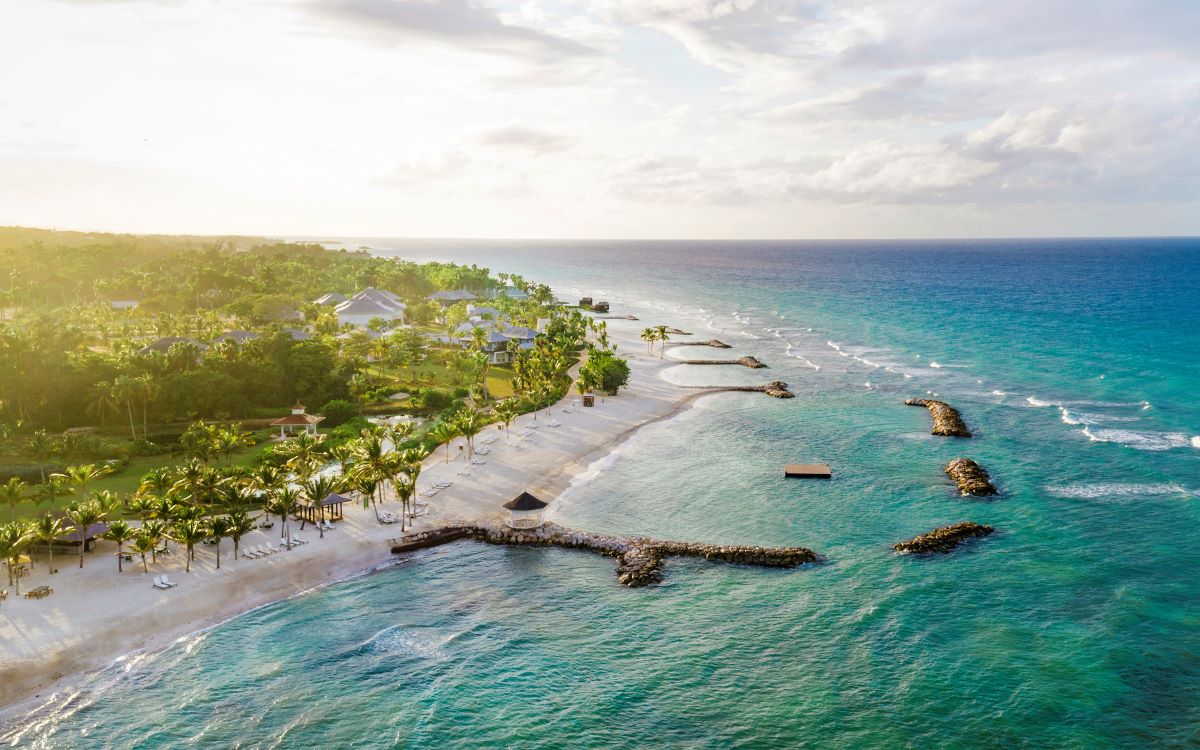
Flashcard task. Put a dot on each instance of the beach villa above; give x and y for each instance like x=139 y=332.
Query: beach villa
x=498 y=334
x=297 y=422
x=511 y=292
x=369 y=304
x=164 y=344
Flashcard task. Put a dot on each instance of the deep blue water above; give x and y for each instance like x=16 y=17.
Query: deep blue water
x=1076 y=363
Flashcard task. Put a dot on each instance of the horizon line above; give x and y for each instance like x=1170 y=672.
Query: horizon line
x=336 y=237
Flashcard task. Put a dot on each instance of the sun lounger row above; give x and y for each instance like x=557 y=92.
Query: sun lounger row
x=162 y=582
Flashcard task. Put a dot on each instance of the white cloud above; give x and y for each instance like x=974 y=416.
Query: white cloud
x=576 y=117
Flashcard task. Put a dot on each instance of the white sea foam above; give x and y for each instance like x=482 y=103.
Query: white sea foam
x=1143 y=440
x=934 y=365
x=1118 y=489
x=999 y=392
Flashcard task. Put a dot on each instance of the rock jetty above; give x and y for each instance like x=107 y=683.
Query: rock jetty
x=714 y=343
x=943 y=539
x=971 y=478
x=751 y=362
x=678 y=332
x=946 y=420
x=639 y=560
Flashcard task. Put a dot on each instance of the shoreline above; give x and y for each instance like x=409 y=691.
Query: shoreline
x=87 y=636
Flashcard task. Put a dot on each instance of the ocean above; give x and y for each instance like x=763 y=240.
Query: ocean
x=1076 y=625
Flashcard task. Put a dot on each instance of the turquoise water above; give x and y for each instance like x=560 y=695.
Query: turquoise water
x=1076 y=625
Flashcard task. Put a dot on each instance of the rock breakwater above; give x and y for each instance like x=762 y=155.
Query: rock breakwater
x=971 y=478
x=639 y=560
x=943 y=539
x=714 y=343
x=751 y=362
x=946 y=420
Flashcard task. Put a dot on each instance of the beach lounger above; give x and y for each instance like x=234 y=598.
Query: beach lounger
x=483 y=451
x=478 y=461
x=250 y=552
x=554 y=423
x=164 y=583
x=270 y=548
x=298 y=540
x=532 y=426
x=443 y=484
x=464 y=472
x=158 y=584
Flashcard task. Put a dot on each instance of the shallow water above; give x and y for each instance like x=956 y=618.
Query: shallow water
x=1076 y=363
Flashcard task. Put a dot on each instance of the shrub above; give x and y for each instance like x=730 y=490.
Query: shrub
x=338 y=412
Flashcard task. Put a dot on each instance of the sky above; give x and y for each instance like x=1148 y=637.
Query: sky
x=723 y=119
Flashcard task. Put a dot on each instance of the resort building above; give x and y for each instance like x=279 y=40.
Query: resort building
x=297 y=422
x=497 y=336
x=369 y=304
x=449 y=299
x=525 y=512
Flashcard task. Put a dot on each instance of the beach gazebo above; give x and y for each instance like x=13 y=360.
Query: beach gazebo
x=333 y=505
x=297 y=422
x=525 y=512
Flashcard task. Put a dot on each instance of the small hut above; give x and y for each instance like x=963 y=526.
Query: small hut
x=525 y=512
x=589 y=399
x=297 y=422
x=333 y=508
x=71 y=538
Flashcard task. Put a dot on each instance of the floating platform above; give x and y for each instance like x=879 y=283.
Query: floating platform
x=808 y=471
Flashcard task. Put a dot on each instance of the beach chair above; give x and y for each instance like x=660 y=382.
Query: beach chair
x=250 y=552
x=554 y=423
x=168 y=582
x=532 y=425
x=443 y=484
x=464 y=472
x=483 y=451
x=478 y=461
x=270 y=548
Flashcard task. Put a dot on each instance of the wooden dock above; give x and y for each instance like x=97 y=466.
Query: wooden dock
x=808 y=471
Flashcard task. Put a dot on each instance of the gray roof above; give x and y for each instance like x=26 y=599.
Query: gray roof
x=297 y=334
x=458 y=295
x=525 y=501
x=332 y=298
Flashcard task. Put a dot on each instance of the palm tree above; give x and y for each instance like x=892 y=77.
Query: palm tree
x=188 y=532
x=147 y=390
x=240 y=524
x=507 y=410
x=156 y=481
x=302 y=454
x=46 y=529
x=156 y=530
x=83 y=476
x=127 y=389
x=314 y=491
x=83 y=516
x=58 y=485
x=13 y=493
x=469 y=424
x=649 y=335
x=217 y=528
x=444 y=432
x=662 y=336
x=119 y=532
x=40 y=446
x=143 y=543
x=101 y=403
x=14 y=538
x=284 y=503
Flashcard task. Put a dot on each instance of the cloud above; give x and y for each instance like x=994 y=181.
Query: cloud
x=528 y=139
x=455 y=22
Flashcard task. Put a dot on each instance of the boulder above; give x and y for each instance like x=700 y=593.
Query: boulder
x=943 y=539
x=971 y=478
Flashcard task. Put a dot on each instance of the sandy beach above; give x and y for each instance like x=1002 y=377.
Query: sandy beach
x=96 y=614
